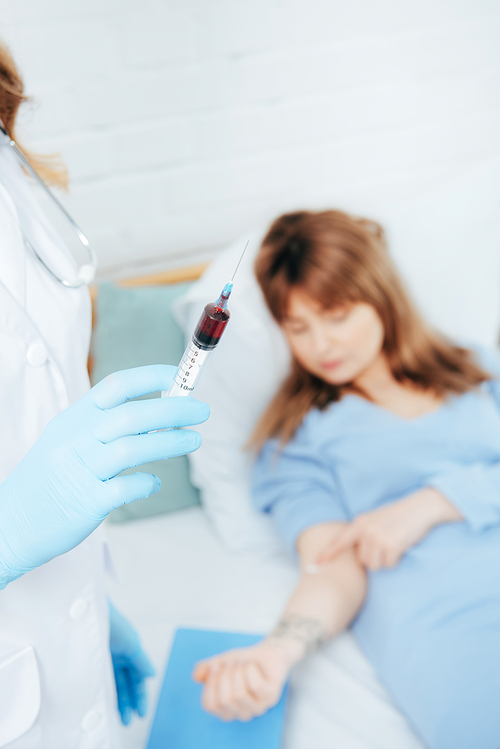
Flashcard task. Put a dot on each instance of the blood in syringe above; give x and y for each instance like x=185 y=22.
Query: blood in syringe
x=211 y=326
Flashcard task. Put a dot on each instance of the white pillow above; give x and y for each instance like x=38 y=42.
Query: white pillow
x=447 y=246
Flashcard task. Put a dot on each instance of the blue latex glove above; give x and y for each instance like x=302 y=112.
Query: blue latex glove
x=131 y=666
x=67 y=483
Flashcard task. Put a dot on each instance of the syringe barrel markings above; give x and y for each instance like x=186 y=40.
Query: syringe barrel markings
x=206 y=336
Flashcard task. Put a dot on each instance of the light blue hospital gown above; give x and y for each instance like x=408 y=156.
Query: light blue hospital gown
x=430 y=626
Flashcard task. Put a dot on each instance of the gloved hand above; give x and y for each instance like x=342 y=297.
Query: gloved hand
x=67 y=483
x=131 y=666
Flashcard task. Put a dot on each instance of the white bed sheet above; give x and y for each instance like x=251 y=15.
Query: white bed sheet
x=176 y=573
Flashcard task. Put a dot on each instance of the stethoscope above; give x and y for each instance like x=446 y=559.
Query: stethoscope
x=86 y=272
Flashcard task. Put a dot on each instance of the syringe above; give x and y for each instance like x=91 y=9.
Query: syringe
x=203 y=343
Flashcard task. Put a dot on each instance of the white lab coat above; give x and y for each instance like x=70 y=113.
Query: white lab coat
x=56 y=681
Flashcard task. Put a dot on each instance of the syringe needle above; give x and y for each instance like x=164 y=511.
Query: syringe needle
x=239 y=261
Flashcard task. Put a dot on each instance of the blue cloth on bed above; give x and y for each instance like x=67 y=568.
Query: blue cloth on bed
x=181 y=722
x=431 y=626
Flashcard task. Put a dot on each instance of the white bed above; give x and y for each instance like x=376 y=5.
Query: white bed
x=178 y=573
x=224 y=567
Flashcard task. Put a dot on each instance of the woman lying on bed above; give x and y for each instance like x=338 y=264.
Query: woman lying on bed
x=380 y=464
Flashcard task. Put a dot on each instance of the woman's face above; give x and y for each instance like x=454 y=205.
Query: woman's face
x=337 y=345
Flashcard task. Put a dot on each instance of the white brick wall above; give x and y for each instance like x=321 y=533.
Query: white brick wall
x=185 y=123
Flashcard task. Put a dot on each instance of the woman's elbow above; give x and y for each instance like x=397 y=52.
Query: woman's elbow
x=351 y=577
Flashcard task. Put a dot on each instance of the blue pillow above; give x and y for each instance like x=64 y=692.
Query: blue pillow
x=133 y=327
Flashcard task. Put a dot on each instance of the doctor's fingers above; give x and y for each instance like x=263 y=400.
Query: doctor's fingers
x=140 y=699
x=143 y=416
x=122 y=386
x=124 y=696
x=106 y=461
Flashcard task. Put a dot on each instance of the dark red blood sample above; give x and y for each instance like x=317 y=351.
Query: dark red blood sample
x=211 y=326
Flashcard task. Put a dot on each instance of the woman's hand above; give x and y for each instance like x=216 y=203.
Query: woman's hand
x=243 y=683
x=381 y=537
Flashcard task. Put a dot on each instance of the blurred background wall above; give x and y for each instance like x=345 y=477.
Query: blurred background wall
x=185 y=123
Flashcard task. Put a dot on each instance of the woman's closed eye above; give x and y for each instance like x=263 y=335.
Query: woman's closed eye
x=294 y=326
x=296 y=329
x=338 y=315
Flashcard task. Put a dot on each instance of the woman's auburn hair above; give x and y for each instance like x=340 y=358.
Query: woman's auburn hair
x=49 y=167
x=337 y=259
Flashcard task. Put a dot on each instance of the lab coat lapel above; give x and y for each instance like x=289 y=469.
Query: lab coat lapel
x=12 y=250
x=14 y=318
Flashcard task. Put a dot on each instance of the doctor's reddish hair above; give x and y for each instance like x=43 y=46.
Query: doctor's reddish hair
x=12 y=95
x=337 y=259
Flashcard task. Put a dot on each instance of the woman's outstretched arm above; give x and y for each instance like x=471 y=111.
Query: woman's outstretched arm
x=243 y=683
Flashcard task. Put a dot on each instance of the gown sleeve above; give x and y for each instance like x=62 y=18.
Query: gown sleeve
x=296 y=485
x=475 y=489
